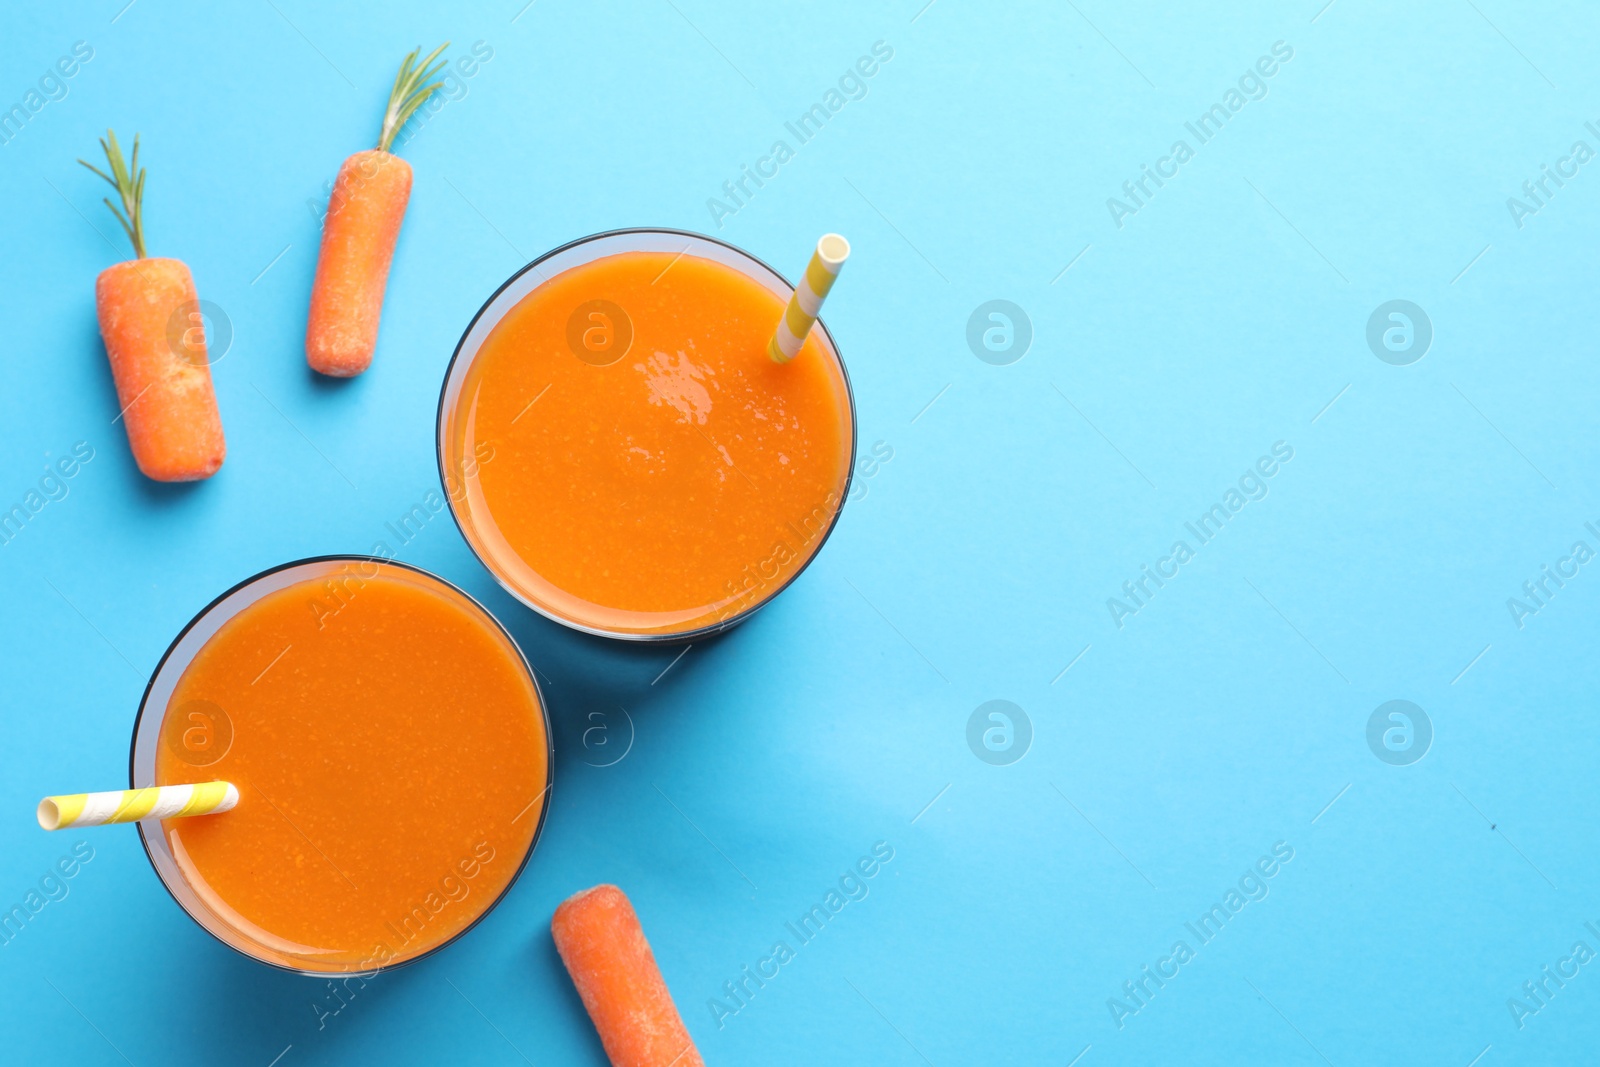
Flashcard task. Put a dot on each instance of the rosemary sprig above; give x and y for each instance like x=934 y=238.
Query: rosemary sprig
x=411 y=88
x=128 y=180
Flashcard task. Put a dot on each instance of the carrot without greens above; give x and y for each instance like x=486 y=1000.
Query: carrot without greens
x=603 y=946
x=359 y=233
x=150 y=321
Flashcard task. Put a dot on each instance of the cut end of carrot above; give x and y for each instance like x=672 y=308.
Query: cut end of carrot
x=184 y=470
x=576 y=899
x=337 y=361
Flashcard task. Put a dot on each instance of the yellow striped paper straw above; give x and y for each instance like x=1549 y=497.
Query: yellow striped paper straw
x=806 y=303
x=131 y=805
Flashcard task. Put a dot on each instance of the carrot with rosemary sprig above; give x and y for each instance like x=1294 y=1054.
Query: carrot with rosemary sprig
x=151 y=323
x=359 y=233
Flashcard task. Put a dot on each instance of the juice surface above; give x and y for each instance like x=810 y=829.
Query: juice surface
x=662 y=490
x=391 y=758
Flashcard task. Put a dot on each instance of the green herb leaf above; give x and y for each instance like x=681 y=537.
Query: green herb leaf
x=412 y=87
x=128 y=180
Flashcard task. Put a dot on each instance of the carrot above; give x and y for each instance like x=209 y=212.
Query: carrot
x=149 y=319
x=359 y=233
x=603 y=946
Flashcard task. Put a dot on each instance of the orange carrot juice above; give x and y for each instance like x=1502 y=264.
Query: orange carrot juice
x=391 y=755
x=655 y=474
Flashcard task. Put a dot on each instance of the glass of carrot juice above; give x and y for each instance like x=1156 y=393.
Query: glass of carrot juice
x=620 y=451
x=392 y=756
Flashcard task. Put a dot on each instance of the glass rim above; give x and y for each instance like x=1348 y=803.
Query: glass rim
x=342 y=557
x=670 y=637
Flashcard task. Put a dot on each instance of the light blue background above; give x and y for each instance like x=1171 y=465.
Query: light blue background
x=1224 y=717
